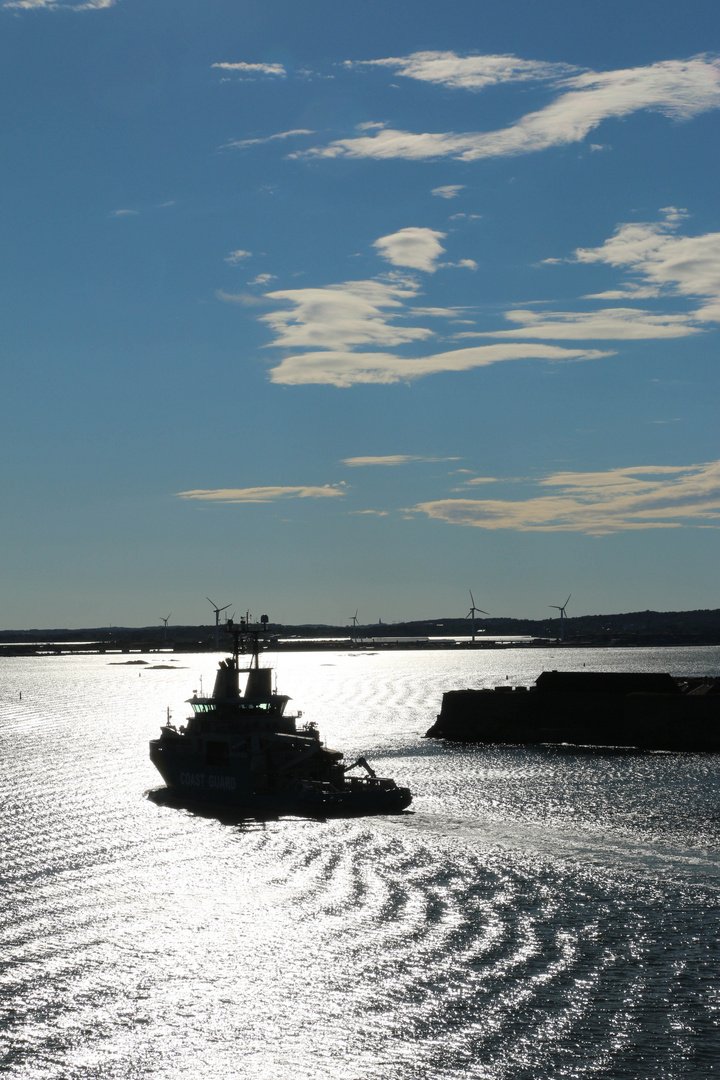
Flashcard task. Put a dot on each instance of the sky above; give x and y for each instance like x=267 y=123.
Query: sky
x=316 y=308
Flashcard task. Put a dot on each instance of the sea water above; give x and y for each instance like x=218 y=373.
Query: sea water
x=539 y=913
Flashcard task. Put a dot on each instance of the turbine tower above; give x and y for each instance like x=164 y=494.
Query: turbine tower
x=471 y=613
x=164 y=621
x=217 y=611
x=561 y=609
x=353 y=620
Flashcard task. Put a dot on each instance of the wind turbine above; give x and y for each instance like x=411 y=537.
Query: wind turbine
x=471 y=613
x=217 y=611
x=164 y=620
x=561 y=609
x=353 y=620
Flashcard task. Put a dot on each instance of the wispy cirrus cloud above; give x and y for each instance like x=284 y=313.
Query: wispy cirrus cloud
x=347 y=368
x=237 y=256
x=611 y=324
x=416 y=248
x=467 y=72
x=239 y=144
x=391 y=459
x=58 y=5
x=629 y=292
x=679 y=89
x=598 y=503
x=263 y=494
x=448 y=191
x=242 y=299
x=253 y=70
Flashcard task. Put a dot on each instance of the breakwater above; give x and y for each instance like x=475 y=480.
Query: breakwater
x=650 y=711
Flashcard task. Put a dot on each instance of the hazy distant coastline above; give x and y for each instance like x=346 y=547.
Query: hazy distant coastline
x=643 y=628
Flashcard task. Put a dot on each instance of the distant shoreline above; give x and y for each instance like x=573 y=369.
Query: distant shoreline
x=653 y=629
x=367 y=647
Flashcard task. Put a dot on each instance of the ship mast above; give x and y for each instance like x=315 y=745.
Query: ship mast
x=245 y=640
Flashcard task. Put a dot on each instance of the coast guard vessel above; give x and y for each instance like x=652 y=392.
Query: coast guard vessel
x=244 y=750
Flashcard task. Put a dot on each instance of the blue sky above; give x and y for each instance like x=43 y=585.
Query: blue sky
x=311 y=307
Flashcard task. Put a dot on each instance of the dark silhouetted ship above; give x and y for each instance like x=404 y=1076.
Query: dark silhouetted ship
x=243 y=750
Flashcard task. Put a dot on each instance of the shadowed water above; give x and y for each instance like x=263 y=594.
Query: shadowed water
x=540 y=913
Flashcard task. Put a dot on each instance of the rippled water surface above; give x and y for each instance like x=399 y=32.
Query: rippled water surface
x=540 y=913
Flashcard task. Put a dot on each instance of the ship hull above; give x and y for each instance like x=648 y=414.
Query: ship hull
x=236 y=785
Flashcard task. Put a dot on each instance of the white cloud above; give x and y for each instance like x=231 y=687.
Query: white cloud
x=326 y=327
x=448 y=191
x=467 y=72
x=677 y=88
x=347 y=368
x=391 y=459
x=262 y=279
x=338 y=316
x=630 y=292
x=616 y=324
x=414 y=247
x=239 y=144
x=343 y=335
x=644 y=497
x=124 y=213
x=263 y=494
x=237 y=256
x=253 y=69
x=244 y=299
x=56 y=5
x=439 y=312
x=664 y=263
x=682 y=265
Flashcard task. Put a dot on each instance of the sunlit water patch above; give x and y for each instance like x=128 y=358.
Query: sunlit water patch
x=539 y=913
